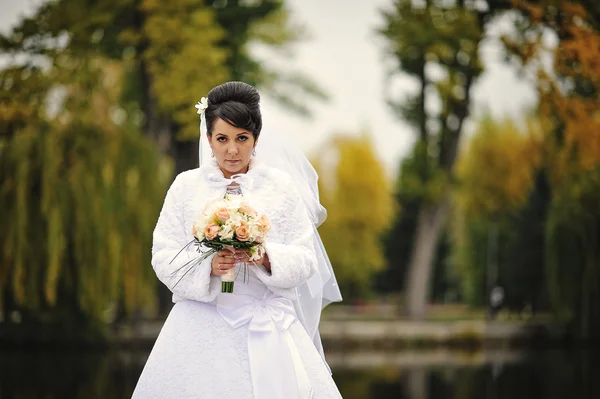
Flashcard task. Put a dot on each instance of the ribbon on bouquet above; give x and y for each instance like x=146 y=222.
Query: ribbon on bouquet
x=276 y=367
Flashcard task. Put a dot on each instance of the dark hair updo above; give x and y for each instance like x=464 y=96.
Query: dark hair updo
x=237 y=103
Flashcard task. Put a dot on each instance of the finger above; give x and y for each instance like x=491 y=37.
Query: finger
x=220 y=272
x=221 y=269
x=227 y=261
x=241 y=255
x=225 y=266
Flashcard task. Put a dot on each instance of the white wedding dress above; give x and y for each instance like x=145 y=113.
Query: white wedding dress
x=249 y=344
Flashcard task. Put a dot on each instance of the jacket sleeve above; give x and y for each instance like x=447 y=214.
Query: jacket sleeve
x=168 y=259
x=293 y=259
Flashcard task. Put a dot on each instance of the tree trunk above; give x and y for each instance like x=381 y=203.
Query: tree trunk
x=432 y=219
x=160 y=130
x=423 y=134
x=430 y=224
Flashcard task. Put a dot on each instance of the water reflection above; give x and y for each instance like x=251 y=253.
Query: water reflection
x=62 y=376
x=499 y=375
x=403 y=375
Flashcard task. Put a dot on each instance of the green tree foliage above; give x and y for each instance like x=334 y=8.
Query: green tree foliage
x=499 y=214
x=496 y=170
x=573 y=254
x=170 y=50
x=266 y=26
x=569 y=101
x=436 y=44
x=443 y=36
x=411 y=187
x=399 y=241
x=89 y=80
x=174 y=51
x=78 y=206
x=357 y=195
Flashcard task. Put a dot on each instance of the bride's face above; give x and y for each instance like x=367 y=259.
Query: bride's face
x=232 y=147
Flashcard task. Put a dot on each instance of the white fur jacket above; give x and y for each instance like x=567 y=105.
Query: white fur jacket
x=289 y=244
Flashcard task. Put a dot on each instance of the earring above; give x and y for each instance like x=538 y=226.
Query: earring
x=212 y=154
x=254 y=152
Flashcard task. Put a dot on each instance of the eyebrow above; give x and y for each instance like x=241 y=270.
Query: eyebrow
x=239 y=134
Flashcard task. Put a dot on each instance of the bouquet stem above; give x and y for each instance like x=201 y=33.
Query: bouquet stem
x=227 y=286
x=227 y=281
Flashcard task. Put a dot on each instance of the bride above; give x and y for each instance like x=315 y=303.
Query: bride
x=262 y=340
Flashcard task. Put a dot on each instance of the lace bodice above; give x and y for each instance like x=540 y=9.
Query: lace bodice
x=234 y=190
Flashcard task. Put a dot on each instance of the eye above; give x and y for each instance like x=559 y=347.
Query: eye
x=221 y=139
x=243 y=138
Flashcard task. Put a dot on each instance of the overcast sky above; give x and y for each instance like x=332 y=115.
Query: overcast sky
x=345 y=57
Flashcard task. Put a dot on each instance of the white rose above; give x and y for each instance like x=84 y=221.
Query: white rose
x=227 y=232
x=198 y=229
x=235 y=219
x=234 y=201
x=254 y=231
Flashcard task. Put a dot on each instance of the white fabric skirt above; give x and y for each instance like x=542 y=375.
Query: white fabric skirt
x=199 y=354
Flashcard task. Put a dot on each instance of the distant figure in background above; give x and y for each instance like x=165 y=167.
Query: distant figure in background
x=496 y=301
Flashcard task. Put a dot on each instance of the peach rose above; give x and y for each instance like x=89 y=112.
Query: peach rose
x=211 y=230
x=264 y=224
x=242 y=232
x=222 y=214
x=247 y=209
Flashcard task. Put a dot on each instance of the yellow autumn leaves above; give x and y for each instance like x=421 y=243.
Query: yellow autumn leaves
x=496 y=169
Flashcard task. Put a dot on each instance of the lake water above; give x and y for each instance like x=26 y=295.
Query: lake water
x=440 y=374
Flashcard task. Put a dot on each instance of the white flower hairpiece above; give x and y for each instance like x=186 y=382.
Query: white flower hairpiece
x=202 y=105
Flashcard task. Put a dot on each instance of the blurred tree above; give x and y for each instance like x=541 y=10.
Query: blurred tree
x=496 y=171
x=77 y=212
x=499 y=214
x=569 y=99
x=522 y=256
x=357 y=196
x=399 y=241
x=265 y=25
x=436 y=43
x=171 y=53
x=175 y=51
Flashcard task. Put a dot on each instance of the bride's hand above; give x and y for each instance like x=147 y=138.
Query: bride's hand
x=243 y=256
x=223 y=261
x=264 y=260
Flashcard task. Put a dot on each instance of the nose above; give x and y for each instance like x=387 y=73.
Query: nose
x=232 y=149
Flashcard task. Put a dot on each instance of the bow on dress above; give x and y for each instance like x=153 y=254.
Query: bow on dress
x=276 y=367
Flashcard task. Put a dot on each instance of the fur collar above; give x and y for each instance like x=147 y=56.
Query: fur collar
x=256 y=169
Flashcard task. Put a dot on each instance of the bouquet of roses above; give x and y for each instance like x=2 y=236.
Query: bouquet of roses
x=229 y=223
